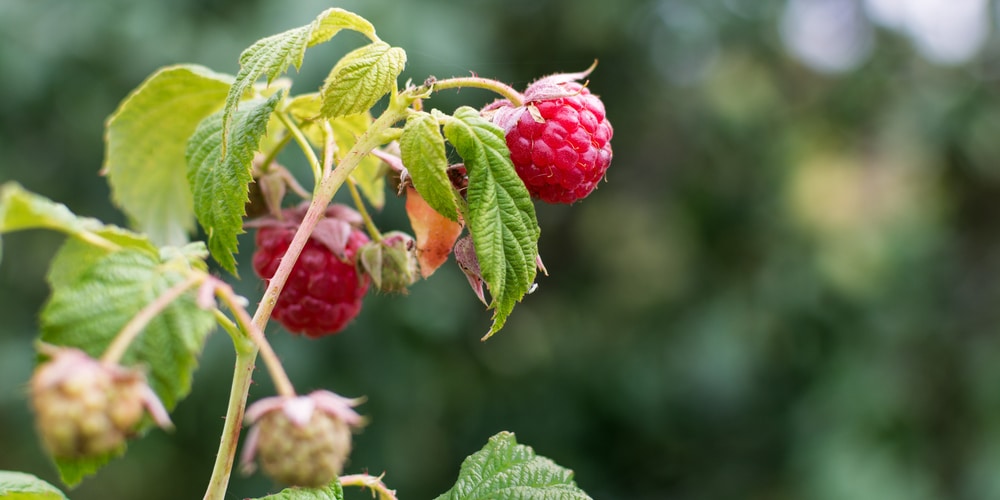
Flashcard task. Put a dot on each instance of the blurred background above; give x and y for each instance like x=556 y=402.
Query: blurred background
x=788 y=287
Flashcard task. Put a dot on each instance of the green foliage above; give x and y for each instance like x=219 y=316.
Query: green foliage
x=501 y=217
x=423 y=153
x=369 y=175
x=220 y=183
x=332 y=491
x=505 y=470
x=145 y=137
x=74 y=470
x=361 y=78
x=273 y=55
x=21 y=486
x=88 y=310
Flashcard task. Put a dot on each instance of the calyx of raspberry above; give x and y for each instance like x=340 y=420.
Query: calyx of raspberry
x=301 y=440
x=559 y=140
x=84 y=408
x=391 y=262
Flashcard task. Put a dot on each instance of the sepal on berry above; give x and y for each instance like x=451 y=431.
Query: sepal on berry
x=391 y=262
x=301 y=440
x=85 y=408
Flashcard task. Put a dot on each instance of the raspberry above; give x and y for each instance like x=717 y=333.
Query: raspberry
x=84 y=408
x=559 y=141
x=307 y=455
x=301 y=440
x=324 y=291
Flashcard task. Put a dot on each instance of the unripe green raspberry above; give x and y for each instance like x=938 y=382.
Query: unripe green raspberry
x=304 y=455
x=84 y=408
x=303 y=440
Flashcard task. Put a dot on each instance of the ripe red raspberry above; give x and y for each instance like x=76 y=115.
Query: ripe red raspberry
x=560 y=140
x=323 y=293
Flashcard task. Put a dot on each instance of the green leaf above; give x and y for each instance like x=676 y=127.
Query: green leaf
x=501 y=217
x=505 y=470
x=21 y=486
x=368 y=175
x=75 y=256
x=361 y=78
x=73 y=470
x=332 y=491
x=89 y=309
x=146 y=137
x=220 y=184
x=273 y=55
x=21 y=209
x=423 y=152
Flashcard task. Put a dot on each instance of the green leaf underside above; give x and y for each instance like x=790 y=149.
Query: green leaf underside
x=361 y=78
x=273 y=55
x=73 y=470
x=332 y=491
x=368 y=175
x=22 y=486
x=146 y=137
x=501 y=217
x=220 y=185
x=88 y=310
x=505 y=470
x=20 y=209
x=423 y=152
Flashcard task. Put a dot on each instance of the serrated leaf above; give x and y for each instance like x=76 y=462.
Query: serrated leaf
x=220 y=184
x=273 y=55
x=145 y=142
x=22 y=486
x=422 y=149
x=505 y=470
x=75 y=256
x=332 y=491
x=361 y=78
x=501 y=217
x=89 y=310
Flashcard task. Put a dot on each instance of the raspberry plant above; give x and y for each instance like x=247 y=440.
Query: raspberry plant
x=130 y=309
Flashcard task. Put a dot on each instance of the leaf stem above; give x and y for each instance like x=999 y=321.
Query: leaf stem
x=508 y=92
x=135 y=326
x=327 y=187
x=269 y=159
x=367 y=481
x=303 y=143
x=360 y=204
x=282 y=384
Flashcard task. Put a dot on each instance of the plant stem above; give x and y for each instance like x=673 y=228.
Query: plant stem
x=242 y=378
x=358 y=202
x=303 y=143
x=367 y=481
x=508 y=92
x=327 y=187
x=282 y=384
x=134 y=327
